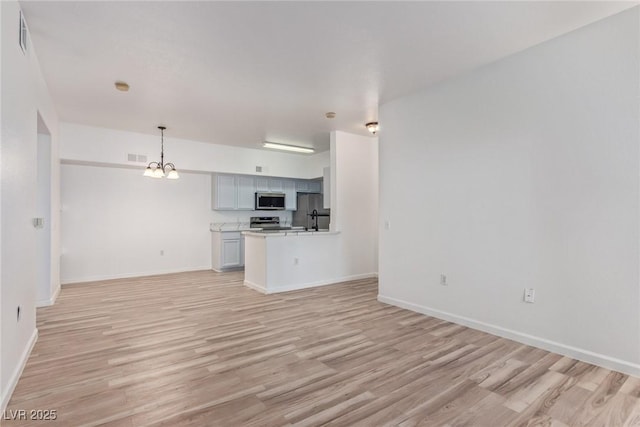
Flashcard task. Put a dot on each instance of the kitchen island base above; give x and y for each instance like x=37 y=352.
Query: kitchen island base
x=281 y=262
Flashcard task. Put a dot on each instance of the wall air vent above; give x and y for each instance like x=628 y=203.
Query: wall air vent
x=138 y=158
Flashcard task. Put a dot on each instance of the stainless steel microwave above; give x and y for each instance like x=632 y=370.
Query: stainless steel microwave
x=270 y=201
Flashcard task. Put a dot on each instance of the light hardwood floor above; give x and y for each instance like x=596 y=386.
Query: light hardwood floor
x=200 y=349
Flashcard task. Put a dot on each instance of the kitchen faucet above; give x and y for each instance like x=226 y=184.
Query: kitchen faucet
x=314 y=215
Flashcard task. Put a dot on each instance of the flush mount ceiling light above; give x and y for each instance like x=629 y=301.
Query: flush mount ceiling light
x=330 y=115
x=372 y=127
x=159 y=169
x=286 y=147
x=122 y=86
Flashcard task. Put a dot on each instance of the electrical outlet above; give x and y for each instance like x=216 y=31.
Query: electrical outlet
x=162 y=252
x=443 y=280
x=387 y=225
x=529 y=295
x=296 y=261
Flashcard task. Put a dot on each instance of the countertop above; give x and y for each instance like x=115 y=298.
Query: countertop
x=221 y=227
x=292 y=233
x=229 y=226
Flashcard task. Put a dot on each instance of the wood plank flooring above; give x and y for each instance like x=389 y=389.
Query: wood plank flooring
x=200 y=349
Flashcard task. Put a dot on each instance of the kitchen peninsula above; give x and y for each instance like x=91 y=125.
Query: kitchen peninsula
x=289 y=260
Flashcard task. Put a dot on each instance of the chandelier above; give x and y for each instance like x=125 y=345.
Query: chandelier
x=159 y=169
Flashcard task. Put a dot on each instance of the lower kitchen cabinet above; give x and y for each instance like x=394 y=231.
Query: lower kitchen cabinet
x=227 y=249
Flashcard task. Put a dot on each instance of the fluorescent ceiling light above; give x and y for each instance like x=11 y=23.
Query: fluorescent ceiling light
x=285 y=147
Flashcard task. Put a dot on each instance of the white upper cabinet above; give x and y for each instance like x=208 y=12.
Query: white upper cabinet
x=302 y=186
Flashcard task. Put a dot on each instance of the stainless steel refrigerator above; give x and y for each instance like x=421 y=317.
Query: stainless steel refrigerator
x=305 y=217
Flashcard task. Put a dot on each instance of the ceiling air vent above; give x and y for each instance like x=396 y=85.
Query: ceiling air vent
x=258 y=168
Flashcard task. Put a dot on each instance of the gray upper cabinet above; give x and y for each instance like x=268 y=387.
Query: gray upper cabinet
x=270 y=185
x=290 y=195
x=246 y=192
x=275 y=185
x=233 y=192
x=223 y=196
x=314 y=186
x=262 y=185
x=237 y=192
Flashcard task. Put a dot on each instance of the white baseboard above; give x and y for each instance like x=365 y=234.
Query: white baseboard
x=602 y=360
x=130 y=275
x=227 y=270
x=17 y=372
x=299 y=286
x=50 y=301
x=255 y=287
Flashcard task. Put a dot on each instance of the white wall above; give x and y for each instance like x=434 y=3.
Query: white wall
x=109 y=146
x=4 y=393
x=115 y=223
x=42 y=257
x=354 y=201
x=523 y=173
x=24 y=96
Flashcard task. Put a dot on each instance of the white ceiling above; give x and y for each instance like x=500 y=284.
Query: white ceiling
x=239 y=73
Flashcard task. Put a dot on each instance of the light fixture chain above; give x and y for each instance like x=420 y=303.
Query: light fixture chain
x=162 y=149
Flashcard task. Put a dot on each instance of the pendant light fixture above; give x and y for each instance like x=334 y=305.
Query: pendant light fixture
x=159 y=169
